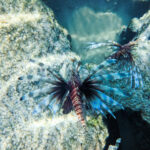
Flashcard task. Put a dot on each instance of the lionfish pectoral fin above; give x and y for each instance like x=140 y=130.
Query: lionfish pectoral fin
x=111 y=76
x=94 y=45
x=97 y=104
x=98 y=110
x=115 y=76
x=109 y=100
x=105 y=63
x=43 y=103
x=102 y=112
x=107 y=109
x=67 y=106
x=35 y=78
x=54 y=107
x=113 y=90
x=36 y=93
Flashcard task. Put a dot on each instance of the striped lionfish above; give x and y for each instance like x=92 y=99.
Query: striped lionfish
x=77 y=93
x=125 y=59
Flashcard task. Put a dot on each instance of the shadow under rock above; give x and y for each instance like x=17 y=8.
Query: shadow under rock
x=131 y=128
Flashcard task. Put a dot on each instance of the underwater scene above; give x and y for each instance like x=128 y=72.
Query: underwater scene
x=74 y=74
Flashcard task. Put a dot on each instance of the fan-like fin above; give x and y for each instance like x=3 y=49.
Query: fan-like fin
x=97 y=104
x=101 y=112
x=106 y=108
x=60 y=89
x=112 y=76
x=106 y=63
x=54 y=106
x=67 y=106
x=36 y=93
x=36 y=78
x=141 y=80
x=43 y=103
x=112 y=90
x=88 y=88
x=57 y=75
x=131 y=77
x=109 y=100
x=93 y=45
x=136 y=79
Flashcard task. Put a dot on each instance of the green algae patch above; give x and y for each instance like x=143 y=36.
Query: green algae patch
x=96 y=122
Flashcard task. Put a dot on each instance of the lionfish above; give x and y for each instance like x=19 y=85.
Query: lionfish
x=77 y=93
x=125 y=59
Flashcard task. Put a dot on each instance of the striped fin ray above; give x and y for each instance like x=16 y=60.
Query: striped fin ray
x=46 y=102
x=112 y=90
x=137 y=77
x=140 y=77
x=43 y=103
x=54 y=106
x=112 y=76
x=36 y=93
x=94 y=45
x=67 y=105
x=105 y=63
x=56 y=75
x=131 y=77
x=109 y=100
x=36 y=78
x=102 y=112
x=97 y=107
x=97 y=104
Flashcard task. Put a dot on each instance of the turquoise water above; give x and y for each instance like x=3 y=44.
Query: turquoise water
x=95 y=21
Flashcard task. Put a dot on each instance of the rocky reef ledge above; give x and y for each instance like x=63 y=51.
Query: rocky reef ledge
x=139 y=29
x=29 y=31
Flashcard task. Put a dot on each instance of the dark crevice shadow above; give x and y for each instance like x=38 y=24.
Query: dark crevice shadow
x=131 y=128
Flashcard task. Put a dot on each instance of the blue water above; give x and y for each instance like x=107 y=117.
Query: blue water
x=95 y=21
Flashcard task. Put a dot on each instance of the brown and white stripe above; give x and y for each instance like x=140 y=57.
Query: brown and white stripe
x=77 y=104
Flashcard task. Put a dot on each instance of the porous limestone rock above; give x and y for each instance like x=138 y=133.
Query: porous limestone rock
x=28 y=32
x=139 y=29
x=20 y=129
x=27 y=29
